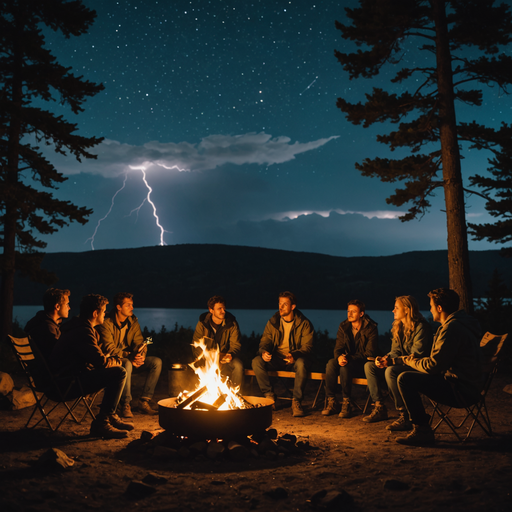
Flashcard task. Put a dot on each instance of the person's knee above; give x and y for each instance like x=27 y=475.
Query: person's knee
x=370 y=369
x=128 y=366
x=300 y=366
x=258 y=363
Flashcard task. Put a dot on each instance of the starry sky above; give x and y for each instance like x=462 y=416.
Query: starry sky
x=221 y=126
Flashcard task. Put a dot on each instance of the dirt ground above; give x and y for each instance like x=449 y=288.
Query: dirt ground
x=350 y=465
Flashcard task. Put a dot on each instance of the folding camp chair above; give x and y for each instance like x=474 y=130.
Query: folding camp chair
x=491 y=346
x=46 y=387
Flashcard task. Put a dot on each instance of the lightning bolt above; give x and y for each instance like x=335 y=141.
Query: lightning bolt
x=107 y=214
x=148 y=197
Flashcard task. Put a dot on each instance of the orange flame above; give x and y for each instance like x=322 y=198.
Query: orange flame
x=209 y=375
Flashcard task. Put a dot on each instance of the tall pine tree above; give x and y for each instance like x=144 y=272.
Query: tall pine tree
x=462 y=42
x=29 y=72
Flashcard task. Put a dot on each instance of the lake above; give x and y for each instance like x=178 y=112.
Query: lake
x=250 y=320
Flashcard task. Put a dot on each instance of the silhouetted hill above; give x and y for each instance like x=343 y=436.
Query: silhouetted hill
x=185 y=276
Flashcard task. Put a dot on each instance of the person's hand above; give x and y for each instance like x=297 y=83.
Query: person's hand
x=381 y=362
x=266 y=356
x=408 y=359
x=342 y=360
x=138 y=360
x=289 y=359
x=225 y=358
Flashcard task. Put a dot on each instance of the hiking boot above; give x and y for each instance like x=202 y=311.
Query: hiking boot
x=297 y=409
x=421 y=435
x=103 y=428
x=379 y=413
x=126 y=411
x=401 y=424
x=145 y=408
x=332 y=406
x=346 y=409
x=118 y=423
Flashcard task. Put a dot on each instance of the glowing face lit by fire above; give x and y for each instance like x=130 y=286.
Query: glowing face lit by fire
x=218 y=312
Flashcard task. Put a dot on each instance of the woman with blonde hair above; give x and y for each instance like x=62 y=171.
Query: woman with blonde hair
x=410 y=334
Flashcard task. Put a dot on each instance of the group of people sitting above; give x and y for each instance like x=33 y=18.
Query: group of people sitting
x=104 y=352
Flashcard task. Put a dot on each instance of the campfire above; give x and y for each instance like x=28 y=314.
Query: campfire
x=214 y=409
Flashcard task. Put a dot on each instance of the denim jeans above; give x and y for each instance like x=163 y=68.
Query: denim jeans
x=152 y=366
x=235 y=371
x=112 y=380
x=300 y=367
x=346 y=374
x=413 y=384
x=378 y=377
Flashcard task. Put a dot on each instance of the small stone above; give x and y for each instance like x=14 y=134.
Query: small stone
x=55 y=459
x=395 y=485
x=277 y=493
x=138 y=490
x=152 y=478
x=215 y=450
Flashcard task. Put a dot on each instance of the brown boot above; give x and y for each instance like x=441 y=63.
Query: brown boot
x=346 y=408
x=421 y=435
x=101 y=427
x=118 y=423
x=145 y=408
x=126 y=410
x=297 y=409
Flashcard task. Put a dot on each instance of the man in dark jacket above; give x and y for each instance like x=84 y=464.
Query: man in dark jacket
x=286 y=344
x=220 y=330
x=451 y=374
x=121 y=336
x=78 y=355
x=357 y=340
x=44 y=328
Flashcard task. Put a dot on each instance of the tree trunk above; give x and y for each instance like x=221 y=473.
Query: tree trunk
x=458 y=253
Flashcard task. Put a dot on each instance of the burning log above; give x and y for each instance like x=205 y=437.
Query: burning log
x=192 y=398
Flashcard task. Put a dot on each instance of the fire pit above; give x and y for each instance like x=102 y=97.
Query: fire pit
x=214 y=409
x=210 y=424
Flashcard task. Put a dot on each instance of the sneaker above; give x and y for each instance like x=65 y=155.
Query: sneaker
x=118 y=423
x=103 y=428
x=145 y=408
x=332 y=406
x=297 y=409
x=346 y=409
x=401 y=424
x=126 y=411
x=421 y=435
x=379 y=413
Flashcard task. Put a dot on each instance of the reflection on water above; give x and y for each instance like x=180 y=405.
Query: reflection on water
x=250 y=320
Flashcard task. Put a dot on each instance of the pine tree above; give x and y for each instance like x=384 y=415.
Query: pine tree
x=29 y=73
x=497 y=189
x=425 y=110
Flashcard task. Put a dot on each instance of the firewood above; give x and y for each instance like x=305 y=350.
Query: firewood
x=191 y=399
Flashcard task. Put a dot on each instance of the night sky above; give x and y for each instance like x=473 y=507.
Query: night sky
x=227 y=111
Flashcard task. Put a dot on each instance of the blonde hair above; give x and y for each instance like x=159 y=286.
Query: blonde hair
x=406 y=327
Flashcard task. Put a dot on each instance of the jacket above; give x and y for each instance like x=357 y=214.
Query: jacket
x=418 y=343
x=110 y=337
x=301 y=336
x=78 y=349
x=360 y=348
x=44 y=332
x=456 y=353
x=227 y=337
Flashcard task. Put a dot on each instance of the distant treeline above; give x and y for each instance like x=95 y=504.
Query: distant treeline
x=185 y=276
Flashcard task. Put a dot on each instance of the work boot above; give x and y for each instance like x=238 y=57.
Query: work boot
x=145 y=408
x=332 y=406
x=403 y=423
x=378 y=413
x=118 y=423
x=297 y=409
x=421 y=435
x=126 y=410
x=346 y=408
x=101 y=427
